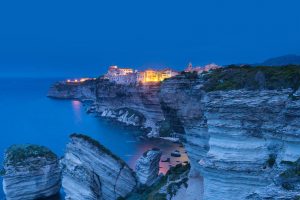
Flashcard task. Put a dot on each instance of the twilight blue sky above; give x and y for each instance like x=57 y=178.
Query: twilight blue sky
x=73 y=38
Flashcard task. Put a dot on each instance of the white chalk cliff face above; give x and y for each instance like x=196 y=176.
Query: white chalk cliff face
x=239 y=140
x=90 y=171
x=130 y=104
x=248 y=130
x=142 y=100
x=82 y=91
x=126 y=116
x=30 y=172
x=242 y=137
x=147 y=167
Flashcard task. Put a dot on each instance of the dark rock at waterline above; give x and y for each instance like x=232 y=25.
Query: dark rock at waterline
x=166 y=160
x=176 y=153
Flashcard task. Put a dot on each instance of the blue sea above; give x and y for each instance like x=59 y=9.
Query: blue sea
x=27 y=116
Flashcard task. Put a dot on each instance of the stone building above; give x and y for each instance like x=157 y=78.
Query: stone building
x=151 y=75
x=129 y=76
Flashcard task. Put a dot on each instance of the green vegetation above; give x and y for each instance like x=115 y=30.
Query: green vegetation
x=2 y=171
x=173 y=187
x=165 y=129
x=297 y=198
x=288 y=163
x=287 y=186
x=18 y=154
x=271 y=160
x=190 y=75
x=291 y=176
x=252 y=78
x=292 y=172
x=152 y=193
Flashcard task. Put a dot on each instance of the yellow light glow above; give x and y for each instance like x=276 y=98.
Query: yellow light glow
x=149 y=76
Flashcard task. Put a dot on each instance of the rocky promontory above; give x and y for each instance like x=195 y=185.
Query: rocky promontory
x=84 y=91
x=147 y=167
x=241 y=130
x=90 y=171
x=240 y=126
x=30 y=172
x=134 y=105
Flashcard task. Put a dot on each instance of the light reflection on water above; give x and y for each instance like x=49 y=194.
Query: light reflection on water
x=131 y=140
x=28 y=116
x=77 y=108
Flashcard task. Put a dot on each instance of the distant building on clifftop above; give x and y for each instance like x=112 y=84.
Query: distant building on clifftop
x=121 y=75
x=151 y=75
x=200 y=69
x=129 y=76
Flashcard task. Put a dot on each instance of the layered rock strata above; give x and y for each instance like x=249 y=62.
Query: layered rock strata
x=30 y=172
x=236 y=140
x=95 y=170
x=240 y=125
x=126 y=116
x=137 y=105
x=147 y=167
x=83 y=91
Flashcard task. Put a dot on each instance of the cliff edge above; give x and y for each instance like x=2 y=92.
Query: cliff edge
x=240 y=126
x=30 y=172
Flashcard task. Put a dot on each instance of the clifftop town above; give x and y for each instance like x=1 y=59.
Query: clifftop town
x=127 y=76
x=239 y=125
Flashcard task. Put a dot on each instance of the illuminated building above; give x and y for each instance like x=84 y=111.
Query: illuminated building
x=116 y=71
x=121 y=75
x=129 y=76
x=77 y=81
x=151 y=75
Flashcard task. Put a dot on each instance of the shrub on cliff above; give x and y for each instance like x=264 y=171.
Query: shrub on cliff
x=170 y=183
x=290 y=177
x=2 y=171
x=18 y=154
x=293 y=171
x=165 y=129
x=253 y=78
x=190 y=75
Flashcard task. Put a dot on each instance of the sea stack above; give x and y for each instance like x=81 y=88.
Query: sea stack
x=30 y=172
x=147 y=167
x=90 y=171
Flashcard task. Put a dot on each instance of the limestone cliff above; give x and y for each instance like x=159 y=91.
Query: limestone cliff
x=240 y=126
x=147 y=167
x=83 y=91
x=30 y=172
x=239 y=139
x=90 y=171
x=131 y=104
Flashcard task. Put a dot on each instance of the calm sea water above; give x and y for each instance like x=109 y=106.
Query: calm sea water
x=28 y=116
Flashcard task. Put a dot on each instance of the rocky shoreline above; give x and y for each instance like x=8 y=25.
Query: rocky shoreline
x=87 y=171
x=30 y=172
x=238 y=132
